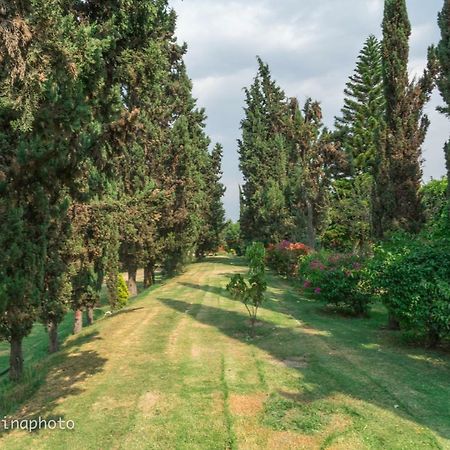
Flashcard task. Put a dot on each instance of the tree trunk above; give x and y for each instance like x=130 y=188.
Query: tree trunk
x=90 y=314
x=52 y=329
x=149 y=275
x=131 y=283
x=433 y=339
x=15 y=358
x=311 y=232
x=393 y=323
x=78 y=321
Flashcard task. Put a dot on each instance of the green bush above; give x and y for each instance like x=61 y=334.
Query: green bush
x=413 y=280
x=338 y=280
x=122 y=293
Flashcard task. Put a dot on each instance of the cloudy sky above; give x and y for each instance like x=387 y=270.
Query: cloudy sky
x=311 y=47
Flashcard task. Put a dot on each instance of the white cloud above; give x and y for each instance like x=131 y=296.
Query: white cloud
x=311 y=46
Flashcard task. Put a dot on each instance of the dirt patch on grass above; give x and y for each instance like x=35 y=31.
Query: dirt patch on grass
x=247 y=405
x=196 y=351
x=148 y=402
x=287 y=440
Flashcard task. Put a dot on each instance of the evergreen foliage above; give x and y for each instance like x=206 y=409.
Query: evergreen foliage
x=399 y=173
x=104 y=157
x=362 y=119
x=443 y=81
x=263 y=156
x=122 y=293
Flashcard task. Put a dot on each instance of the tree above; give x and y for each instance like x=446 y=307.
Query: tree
x=349 y=215
x=214 y=214
x=362 y=118
x=443 y=81
x=251 y=292
x=316 y=161
x=434 y=198
x=263 y=161
x=232 y=237
x=48 y=126
x=399 y=173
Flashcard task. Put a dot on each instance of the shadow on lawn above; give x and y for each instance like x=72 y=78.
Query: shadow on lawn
x=208 y=288
x=329 y=355
x=59 y=377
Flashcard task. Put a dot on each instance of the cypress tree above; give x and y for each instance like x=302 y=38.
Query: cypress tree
x=214 y=213
x=48 y=125
x=443 y=81
x=263 y=156
x=399 y=170
x=318 y=161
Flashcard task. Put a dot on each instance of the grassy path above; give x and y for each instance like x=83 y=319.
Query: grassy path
x=178 y=370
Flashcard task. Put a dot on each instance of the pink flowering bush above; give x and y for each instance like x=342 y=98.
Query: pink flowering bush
x=285 y=257
x=336 y=279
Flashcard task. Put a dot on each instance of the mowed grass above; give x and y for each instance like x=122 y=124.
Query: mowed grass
x=178 y=369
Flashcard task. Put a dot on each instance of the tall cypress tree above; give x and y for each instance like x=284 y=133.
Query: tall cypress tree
x=214 y=213
x=48 y=124
x=443 y=82
x=399 y=170
x=263 y=156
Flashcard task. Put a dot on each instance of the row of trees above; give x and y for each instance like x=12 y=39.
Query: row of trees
x=359 y=182
x=105 y=163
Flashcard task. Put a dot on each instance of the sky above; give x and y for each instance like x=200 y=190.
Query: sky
x=311 y=47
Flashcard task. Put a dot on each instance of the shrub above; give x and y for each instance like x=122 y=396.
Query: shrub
x=122 y=293
x=337 y=279
x=251 y=293
x=413 y=281
x=286 y=256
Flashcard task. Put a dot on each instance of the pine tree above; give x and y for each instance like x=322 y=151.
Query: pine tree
x=399 y=173
x=358 y=131
x=363 y=112
x=443 y=82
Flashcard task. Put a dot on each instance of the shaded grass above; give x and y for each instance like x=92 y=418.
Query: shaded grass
x=35 y=349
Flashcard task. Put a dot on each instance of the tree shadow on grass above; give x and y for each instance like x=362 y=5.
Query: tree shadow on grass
x=330 y=363
x=221 y=291
x=59 y=376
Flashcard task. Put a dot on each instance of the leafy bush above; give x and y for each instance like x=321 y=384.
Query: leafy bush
x=251 y=293
x=413 y=281
x=338 y=280
x=232 y=238
x=286 y=256
x=122 y=293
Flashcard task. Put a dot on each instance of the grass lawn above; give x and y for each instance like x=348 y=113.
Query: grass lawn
x=179 y=370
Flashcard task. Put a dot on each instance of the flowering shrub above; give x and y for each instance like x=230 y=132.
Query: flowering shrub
x=286 y=256
x=338 y=280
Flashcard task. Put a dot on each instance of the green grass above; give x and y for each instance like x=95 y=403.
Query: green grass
x=179 y=370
